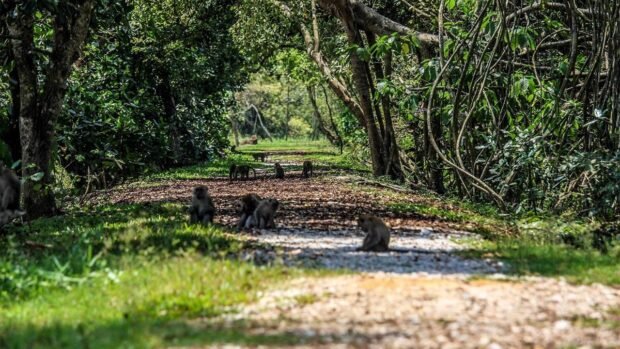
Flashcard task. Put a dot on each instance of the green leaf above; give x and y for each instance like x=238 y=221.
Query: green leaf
x=37 y=176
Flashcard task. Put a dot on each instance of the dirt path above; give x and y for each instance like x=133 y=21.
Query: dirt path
x=389 y=311
x=428 y=297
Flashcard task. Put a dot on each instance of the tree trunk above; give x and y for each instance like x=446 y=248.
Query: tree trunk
x=333 y=139
x=11 y=137
x=331 y=119
x=235 y=129
x=436 y=167
x=288 y=112
x=39 y=110
x=164 y=91
x=394 y=168
x=361 y=79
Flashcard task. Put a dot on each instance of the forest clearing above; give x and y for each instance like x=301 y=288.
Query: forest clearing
x=309 y=174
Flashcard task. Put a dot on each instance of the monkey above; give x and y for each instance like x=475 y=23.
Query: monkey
x=377 y=234
x=10 y=191
x=232 y=171
x=307 y=171
x=247 y=205
x=202 y=209
x=261 y=156
x=264 y=214
x=279 y=171
x=242 y=171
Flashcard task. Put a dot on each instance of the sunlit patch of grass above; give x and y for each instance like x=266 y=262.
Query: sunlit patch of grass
x=126 y=276
x=306 y=299
x=66 y=250
x=482 y=220
x=215 y=168
x=290 y=145
x=140 y=308
x=527 y=257
x=611 y=322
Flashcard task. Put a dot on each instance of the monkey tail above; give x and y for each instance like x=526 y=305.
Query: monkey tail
x=253 y=170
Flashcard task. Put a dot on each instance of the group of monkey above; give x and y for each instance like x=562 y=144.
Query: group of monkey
x=255 y=212
x=243 y=171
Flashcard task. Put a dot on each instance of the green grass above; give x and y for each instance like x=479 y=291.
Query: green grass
x=321 y=152
x=290 y=145
x=125 y=276
x=215 y=168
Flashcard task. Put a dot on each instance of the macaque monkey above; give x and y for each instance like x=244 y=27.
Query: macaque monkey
x=260 y=156
x=232 y=171
x=240 y=171
x=10 y=191
x=377 y=234
x=279 y=171
x=264 y=214
x=247 y=206
x=202 y=209
x=307 y=171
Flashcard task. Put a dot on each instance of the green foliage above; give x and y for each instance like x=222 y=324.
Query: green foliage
x=142 y=56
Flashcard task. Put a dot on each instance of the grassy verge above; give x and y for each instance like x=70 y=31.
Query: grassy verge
x=124 y=276
x=531 y=245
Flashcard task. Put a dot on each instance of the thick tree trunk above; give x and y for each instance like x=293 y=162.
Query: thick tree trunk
x=361 y=81
x=41 y=105
x=34 y=126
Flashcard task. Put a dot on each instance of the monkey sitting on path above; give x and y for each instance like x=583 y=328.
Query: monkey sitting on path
x=377 y=234
x=307 y=170
x=279 y=171
x=247 y=205
x=202 y=209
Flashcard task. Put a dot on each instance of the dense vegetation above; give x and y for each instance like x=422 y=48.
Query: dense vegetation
x=515 y=103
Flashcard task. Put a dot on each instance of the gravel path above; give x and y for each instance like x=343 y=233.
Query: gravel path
x=420 y=252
